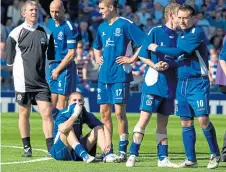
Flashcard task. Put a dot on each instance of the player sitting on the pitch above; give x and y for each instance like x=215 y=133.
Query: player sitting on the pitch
x=69 y=143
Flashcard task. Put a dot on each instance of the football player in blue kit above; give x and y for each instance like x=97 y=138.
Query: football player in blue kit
x=158 y=91
x=192 y=94
x=112 y=49
x=221 y=81
x=62 y=70
x=69 y=142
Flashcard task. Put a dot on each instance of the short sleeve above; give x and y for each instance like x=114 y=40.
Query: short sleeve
x=136 y=34
x=10 y=50
x=71 y=34
x=147 y=41
x=97 y=43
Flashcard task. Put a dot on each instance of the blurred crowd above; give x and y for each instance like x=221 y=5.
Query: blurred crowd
x=211 y=17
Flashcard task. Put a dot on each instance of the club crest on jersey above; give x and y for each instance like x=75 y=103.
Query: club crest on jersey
x=117 y=32
x=60 y=36
x=43 y=41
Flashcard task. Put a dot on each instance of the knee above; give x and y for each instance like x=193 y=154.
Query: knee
x=97 y=129
x=60 y=106
x=203 y=122
x=120 y=116
x=186 y=122
x=47 y=114
x=105 y=116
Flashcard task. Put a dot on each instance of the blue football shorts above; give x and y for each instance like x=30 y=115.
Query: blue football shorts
x=60 y=151
x=192 y=97
x=156 y=104
x=65 y=83
x=116 y=93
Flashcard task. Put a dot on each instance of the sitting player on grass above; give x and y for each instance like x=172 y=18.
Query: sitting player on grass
x=69 y=143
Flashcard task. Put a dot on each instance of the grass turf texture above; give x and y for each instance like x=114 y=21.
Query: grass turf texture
x=147 y=159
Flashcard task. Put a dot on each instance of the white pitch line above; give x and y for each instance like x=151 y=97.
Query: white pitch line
x=23 y=162
x=29 y=161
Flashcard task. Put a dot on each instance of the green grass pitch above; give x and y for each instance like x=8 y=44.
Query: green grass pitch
x=11 y=159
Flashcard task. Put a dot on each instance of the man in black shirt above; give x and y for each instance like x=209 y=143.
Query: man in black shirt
x=27 y=47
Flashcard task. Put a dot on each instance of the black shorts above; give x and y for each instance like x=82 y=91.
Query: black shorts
x=31 y=98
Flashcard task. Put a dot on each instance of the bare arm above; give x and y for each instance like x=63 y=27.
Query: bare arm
x=160 y=66
x=84 y=73
x=128 y=60
x=67 y=59
x=223 y=66
x=67 y=125
x=98 y=56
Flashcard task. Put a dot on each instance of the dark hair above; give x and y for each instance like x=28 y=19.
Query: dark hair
x=186 y=7
x=115 y=4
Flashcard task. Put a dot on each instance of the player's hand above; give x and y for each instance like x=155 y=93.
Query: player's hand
x=55 y=74
x=99 y=60
x=152 y=47
x=161 y=66
x=165 y=66
x=77 y=110
x=123 y=60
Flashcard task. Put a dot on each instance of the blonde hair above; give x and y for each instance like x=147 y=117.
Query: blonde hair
x=171 y=8
x=114 y=3
x=24 y=6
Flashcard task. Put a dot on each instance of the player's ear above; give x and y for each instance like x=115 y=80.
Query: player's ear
x=111 y=8
x=23 y=13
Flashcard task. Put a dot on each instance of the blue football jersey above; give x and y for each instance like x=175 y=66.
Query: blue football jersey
x=159 y=83
x=64 y=37
x=85 y=118
x=116 y=40
x=194 y=62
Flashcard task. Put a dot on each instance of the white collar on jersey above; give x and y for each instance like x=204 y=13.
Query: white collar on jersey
x=30 y=27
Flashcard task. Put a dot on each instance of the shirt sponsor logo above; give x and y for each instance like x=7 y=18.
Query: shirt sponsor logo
x=109 y=43
x=60 y=36
x=117 y=32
